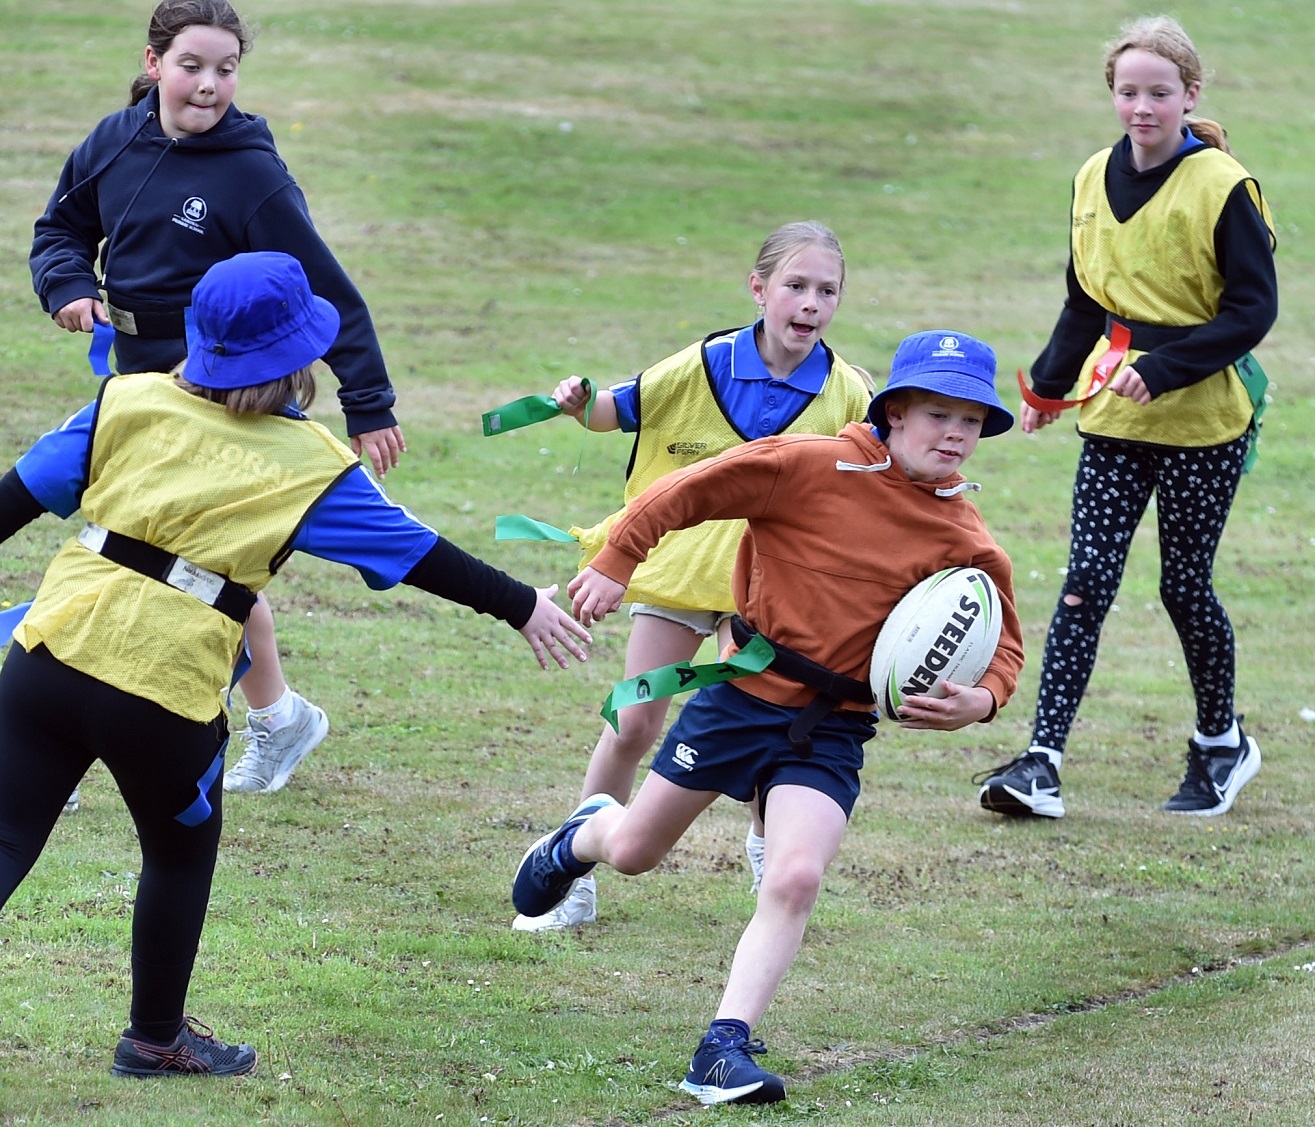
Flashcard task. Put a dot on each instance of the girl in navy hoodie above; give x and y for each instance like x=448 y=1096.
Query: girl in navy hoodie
x=157 y=194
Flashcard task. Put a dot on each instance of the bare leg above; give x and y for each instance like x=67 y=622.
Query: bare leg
x=282 y=726
x=634 y=839
x=262 y=684
x=802 y=840
x=615 y=760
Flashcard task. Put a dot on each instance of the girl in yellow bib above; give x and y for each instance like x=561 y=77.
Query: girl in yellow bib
x=775 y=376
x=196 y=489
x=1170 y=282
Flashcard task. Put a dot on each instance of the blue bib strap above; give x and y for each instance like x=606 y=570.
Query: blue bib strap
x=201 y=809
x=98 y=355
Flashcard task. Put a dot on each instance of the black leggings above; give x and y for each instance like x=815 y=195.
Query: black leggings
x=1194 y=491
x=54 y=722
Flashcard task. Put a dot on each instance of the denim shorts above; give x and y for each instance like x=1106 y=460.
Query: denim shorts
x=704 y=623
x=728 y=741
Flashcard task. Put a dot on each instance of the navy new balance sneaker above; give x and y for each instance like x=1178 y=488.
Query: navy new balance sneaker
x=1214 y=777
x=195 y=1051
x=542 y=882
x=723 y=1072
x=1024 y=787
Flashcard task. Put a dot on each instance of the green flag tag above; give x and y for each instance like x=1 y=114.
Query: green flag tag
x=518 y=527
x=668 y=680
x=529 y=410
x=1256 y=383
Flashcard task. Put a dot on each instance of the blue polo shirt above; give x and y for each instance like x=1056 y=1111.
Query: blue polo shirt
x=756 y=402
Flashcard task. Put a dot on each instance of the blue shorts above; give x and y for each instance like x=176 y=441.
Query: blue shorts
x=728 y=741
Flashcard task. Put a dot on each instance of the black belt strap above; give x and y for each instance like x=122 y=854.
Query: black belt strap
x=233 y=599
x=1146 y=336
x=151 y=324
x=832 y=688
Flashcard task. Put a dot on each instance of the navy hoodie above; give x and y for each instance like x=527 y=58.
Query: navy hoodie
x=163 y=210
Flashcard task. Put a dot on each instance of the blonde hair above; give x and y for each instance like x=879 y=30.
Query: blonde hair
x=295 y=390
x=789 y=238
x=1164 y=36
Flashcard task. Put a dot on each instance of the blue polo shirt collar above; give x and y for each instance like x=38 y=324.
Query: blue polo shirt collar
x=747 y=364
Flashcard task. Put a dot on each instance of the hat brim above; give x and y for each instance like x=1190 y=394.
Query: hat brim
x=302 y=345
x=955 y=385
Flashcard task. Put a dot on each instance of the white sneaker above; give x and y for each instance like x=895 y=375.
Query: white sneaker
x=756 y=850
x=71 y=806
x=579 y=907
x=271 y=757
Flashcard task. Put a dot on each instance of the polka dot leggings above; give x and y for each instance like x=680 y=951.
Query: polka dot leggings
x=1194 y=491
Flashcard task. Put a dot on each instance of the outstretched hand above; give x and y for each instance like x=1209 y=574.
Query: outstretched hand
x=594 y=596
x=962 y=705
x=552 y=633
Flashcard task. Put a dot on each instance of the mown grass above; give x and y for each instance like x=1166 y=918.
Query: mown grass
x=524 y=191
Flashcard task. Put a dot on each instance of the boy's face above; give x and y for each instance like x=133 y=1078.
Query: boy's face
x=932 y=435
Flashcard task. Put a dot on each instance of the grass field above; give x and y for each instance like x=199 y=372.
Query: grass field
x=523 y=191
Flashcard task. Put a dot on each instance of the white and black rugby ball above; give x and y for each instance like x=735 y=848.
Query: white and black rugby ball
x=945 y=629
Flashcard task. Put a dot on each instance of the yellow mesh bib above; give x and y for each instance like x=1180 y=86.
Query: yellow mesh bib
x=682 y=424
x=1159 y=267
x=222 y=491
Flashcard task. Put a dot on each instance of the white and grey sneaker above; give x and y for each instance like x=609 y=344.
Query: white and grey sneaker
x=271 y=757
x=71 y=805
x=579 y=907
x=1214 y=777
x=755 y=848
x=1024 y=787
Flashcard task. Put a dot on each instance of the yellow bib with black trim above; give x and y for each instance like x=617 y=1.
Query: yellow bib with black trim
x=223 y=491
x=682 y=423
x=1159 y=267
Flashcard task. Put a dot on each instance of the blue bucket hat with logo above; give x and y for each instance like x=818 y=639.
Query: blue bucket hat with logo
x=947 y=363
x=255 y=320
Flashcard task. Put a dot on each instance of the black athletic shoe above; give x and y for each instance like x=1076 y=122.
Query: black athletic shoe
x=195 y=1051
x=541 y=883
x=1214 y=777
x=723 y=1072
x=1024 y=787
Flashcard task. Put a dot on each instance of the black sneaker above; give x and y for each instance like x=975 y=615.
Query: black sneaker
x=541 y=883
x=1214 y=777
x=723 y=1072
x=1024 y=787
x=194 y=1051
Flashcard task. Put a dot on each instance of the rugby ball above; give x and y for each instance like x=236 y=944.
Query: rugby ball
x=945 y=629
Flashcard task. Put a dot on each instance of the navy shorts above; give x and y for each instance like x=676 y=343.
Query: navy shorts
x=728 y=741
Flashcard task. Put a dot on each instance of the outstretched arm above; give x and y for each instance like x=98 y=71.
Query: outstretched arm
x=453 y=574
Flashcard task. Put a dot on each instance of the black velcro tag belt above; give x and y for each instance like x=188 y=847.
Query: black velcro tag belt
x=168 y=324
x=211 y=588
x=1145 y=336
x=833 y=689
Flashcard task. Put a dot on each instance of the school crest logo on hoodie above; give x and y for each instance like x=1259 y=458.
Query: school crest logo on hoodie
x=193 y=214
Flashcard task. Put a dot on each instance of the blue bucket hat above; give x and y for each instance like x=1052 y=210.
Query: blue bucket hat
x=255 y=321
x=947 y=363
